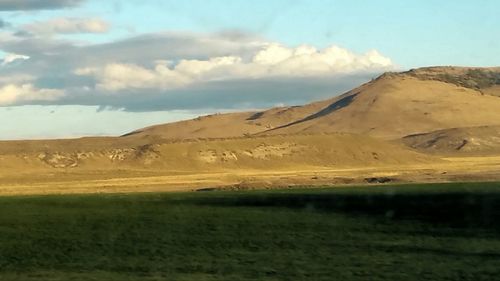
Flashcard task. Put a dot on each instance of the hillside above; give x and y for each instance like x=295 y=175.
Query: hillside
x=230 y=124
x=273 y=152
x=390 y=107
x=396 y=105
x=484 y=140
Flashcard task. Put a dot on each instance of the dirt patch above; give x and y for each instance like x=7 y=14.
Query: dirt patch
x=214 y=156
x=61 y=160
x=264 y=151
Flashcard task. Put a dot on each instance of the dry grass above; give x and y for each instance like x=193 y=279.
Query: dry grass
x=132 y=181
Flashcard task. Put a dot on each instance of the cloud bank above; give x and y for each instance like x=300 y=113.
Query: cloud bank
x=272 y=60
x=170 y=71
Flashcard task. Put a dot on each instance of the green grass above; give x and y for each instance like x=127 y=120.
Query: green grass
x=413 y=232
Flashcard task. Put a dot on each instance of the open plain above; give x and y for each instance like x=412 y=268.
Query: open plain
x=449 y=169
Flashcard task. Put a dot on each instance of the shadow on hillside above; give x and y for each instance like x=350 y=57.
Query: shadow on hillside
x=467 y=210
x=343 y=102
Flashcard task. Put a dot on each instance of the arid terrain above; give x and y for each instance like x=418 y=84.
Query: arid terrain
x=425 y=125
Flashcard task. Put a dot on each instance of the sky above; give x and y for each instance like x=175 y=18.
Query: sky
x=72 y=68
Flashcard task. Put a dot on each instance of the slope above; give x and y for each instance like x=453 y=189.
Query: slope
x=391 y=106
x=271 y=152
x=396 y=105
x=229 y=125
x=484 y=140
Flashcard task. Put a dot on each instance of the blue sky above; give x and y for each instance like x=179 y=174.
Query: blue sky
x=413 y=33
x=125 y=57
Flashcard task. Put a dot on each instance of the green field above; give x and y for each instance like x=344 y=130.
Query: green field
x=413 y=232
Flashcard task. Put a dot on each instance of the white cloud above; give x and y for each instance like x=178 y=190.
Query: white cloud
x=18 y=89
x=11 y=94
x=306 y=61
x=118 y=76
x=194 y=68
x=68 y=26
x=273 y=60
x=10 y=58
x=273 y=54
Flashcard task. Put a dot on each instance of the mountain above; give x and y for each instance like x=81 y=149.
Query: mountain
x=390 y=107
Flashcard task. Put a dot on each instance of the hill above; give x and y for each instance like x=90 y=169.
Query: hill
x=270 y=152
x=230 y=124
x=396 y=105
x=390 y=107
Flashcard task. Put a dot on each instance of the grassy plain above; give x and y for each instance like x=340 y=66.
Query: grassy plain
x=406 y=232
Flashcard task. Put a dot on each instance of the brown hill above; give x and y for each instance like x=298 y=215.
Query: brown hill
x=396 y=105
x=231 y=124
x=270 y=152
x=107 y=165
x=483 y=140
x=390 y=107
